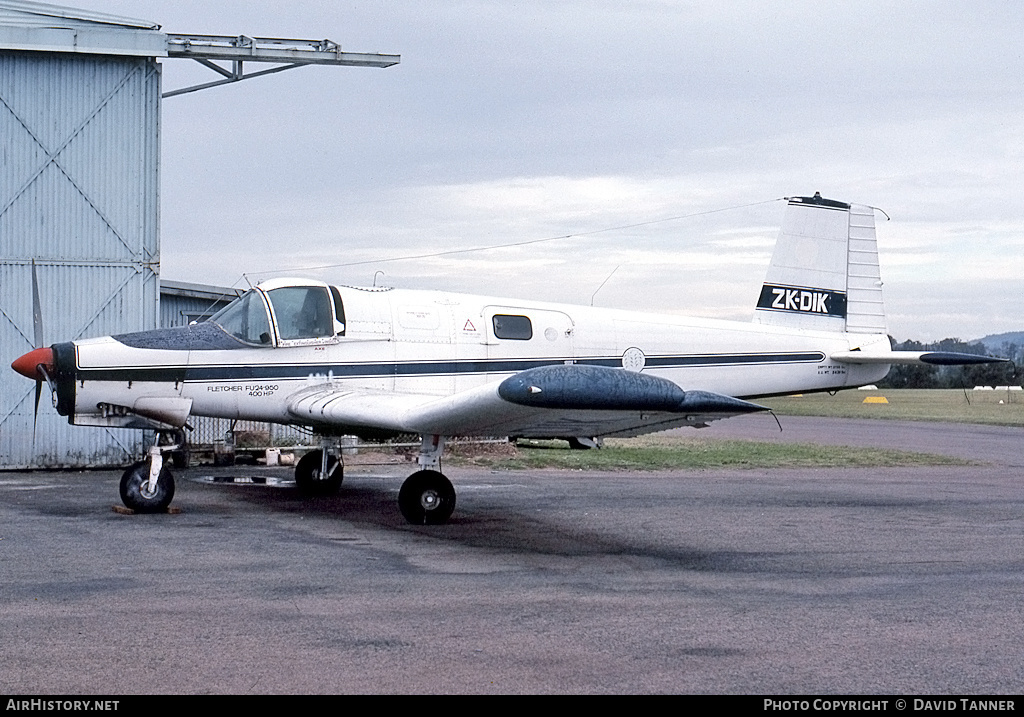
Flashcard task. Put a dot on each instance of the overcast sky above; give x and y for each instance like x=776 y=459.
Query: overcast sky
x=512 y=121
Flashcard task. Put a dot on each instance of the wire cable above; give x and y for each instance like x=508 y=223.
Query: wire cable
x=527 y=242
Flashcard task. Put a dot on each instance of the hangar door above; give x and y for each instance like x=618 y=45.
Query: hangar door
x=79 y=196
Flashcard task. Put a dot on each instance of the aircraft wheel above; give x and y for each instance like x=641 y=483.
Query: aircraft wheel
x=308 y=479
x=427 y=498
x=134 y=493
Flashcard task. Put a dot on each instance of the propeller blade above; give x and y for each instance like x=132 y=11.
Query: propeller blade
x=35 y=413
x=37 y=311
x=37 y=335
x=42 y=369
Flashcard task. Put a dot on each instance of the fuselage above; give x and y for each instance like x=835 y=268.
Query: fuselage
x=429 y=343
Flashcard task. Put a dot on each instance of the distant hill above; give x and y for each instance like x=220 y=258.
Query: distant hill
x=996 y=341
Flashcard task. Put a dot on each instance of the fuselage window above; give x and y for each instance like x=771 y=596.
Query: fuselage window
x=245 y=318
x=302 y=312
x=508 y=326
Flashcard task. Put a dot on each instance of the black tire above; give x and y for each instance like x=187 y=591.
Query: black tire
x=133 y=493
x=307 y=475
x=427 y=498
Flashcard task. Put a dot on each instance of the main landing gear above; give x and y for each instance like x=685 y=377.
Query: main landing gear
x=148 y=486
x=426 y=497
x=320 y=473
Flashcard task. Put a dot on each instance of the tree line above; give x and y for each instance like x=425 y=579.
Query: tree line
x=991 y=374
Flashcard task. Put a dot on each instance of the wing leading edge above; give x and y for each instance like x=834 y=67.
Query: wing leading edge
x=549 y=401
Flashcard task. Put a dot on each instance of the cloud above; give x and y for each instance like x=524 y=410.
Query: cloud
x=520 y=121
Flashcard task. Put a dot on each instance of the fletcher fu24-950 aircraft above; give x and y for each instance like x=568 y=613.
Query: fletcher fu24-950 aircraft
x=374 y=362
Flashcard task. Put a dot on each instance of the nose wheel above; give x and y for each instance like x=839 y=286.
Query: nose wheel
x=140 y=496
x=427 y=498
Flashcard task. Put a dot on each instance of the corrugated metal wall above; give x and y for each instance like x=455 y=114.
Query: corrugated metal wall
x=79 y=194
x=177 y=310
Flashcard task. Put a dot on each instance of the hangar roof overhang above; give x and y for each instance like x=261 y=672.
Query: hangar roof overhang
x=53 y=28
x=42 y=27
x=197 y=291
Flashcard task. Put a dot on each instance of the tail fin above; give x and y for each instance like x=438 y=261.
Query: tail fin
x=824 y=272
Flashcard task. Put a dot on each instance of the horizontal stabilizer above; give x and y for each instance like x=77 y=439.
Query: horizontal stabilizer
x=952 y=358
x=929 y=358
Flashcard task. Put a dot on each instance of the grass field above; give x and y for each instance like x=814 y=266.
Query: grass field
x=651 y=453
x=1004 y=408
x=661 y=452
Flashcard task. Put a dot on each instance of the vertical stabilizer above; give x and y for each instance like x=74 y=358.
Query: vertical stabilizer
x=824 y=272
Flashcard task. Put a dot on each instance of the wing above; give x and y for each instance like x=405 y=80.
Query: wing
x=549 y=401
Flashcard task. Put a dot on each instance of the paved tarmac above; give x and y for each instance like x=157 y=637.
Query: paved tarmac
x=893 y=580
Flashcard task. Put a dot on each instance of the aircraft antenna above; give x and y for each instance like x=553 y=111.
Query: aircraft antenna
x=602 y=284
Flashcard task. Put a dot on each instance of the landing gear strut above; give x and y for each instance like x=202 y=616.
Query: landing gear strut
x=427 y=497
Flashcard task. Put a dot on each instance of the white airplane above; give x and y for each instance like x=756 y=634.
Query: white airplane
x=376 y=362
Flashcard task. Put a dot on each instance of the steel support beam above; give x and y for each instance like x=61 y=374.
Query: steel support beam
x=237 y=50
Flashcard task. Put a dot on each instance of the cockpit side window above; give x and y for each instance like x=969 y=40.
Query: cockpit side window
x=302 y=312
x=245 y=318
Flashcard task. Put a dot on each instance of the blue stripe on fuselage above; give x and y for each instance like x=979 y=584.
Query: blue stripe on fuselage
x=243 y=372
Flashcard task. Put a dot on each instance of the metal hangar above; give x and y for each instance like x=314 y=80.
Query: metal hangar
x=80 y=105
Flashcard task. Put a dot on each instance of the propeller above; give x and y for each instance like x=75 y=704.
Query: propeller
x=38 y=363
x=37 y=331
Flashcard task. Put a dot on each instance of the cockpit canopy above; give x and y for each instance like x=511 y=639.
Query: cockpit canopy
x=284 y=312
x=245 y=318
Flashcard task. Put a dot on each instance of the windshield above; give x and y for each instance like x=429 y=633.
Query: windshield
x=245 y=318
